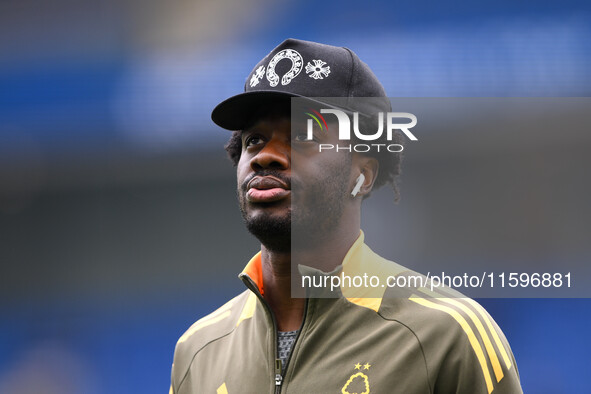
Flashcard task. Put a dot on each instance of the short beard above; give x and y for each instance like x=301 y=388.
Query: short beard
x=274 y=233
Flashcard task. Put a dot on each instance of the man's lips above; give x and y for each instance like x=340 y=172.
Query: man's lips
x=266 y=195
x=262 y=189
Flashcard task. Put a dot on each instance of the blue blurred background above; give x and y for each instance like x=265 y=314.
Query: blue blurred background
x=118 y=226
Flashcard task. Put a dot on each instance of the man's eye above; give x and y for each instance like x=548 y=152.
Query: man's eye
x=253 y=140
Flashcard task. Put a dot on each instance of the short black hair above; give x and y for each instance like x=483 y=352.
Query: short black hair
x=390 y=163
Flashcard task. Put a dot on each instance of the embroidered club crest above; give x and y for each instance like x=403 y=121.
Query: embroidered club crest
x=358 y=383
x=257 y=76
x=296 y=67
x=318 y=70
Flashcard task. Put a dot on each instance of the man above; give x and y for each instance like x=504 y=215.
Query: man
x=304 y=206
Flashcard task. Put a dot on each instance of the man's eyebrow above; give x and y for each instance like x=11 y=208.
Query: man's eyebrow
x=248 y=130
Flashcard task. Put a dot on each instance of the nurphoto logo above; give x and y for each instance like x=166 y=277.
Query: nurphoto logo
x=344 y=125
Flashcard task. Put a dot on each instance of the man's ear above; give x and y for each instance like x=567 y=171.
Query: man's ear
x=369 y=167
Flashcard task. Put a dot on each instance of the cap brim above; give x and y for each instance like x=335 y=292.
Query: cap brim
x=236 y=112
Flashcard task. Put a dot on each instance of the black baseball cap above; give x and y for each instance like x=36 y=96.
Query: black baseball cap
x=297 y=68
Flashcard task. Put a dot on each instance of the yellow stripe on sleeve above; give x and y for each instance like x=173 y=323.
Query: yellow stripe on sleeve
x=222 y=389
x=496 y=338
x=491 y=328
x=492 y=355
x=371 y=303
x=201 y=324
x=248 y=310
x=467 y=329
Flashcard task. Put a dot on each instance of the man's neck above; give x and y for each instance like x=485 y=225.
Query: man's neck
x=277 y=276
x=278 y=273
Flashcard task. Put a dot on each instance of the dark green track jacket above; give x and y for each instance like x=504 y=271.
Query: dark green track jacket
x=380 y=340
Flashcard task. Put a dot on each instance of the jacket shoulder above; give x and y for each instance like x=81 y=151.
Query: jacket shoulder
x=463 y=346
x=207 y=330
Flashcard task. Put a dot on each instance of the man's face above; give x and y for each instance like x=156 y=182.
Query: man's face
x=285 y=184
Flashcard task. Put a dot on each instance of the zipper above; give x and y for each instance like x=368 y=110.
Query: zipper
x=278 y=385
x=278 y=367
x=278 y=375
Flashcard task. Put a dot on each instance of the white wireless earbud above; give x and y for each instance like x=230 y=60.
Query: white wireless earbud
x=360 y=180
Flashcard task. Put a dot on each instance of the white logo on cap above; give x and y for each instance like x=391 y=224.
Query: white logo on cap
x=317 y=70
x=296 y=67
x=257 y=76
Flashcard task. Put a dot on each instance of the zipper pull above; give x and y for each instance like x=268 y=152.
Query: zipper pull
x=278 y=376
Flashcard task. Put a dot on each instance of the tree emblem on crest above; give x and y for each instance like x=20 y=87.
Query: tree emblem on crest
x=358 y=383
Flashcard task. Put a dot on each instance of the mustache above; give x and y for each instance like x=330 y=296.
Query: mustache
x=276 y=174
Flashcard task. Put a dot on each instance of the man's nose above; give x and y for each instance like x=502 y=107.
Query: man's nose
x=275 y=155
